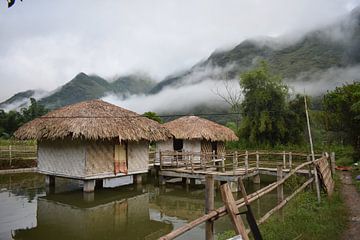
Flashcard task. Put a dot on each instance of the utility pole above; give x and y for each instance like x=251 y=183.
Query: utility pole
x=312 y=151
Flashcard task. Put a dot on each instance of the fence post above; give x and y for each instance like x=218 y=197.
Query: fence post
x=280 y=188
x=213 y=158
x=161 y=160
x=284 y=159
x=222 y=162
x=332 y=163
x=10 y=155
x=257 y=160
x=290 y=160
x=235 y=162
x=246 y=162
x=192 y=162
x=209 y=205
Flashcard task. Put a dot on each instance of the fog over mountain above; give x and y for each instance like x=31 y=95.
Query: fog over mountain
x=318 y=51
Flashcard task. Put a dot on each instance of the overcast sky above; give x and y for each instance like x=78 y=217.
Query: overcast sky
x=46 y=43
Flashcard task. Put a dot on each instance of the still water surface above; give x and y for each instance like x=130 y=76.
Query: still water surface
x=131 y=212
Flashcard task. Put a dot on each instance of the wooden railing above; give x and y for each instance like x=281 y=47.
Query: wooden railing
x=214 y=214
x=230 y=161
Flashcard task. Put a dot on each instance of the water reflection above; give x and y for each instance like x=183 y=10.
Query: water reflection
x=130 y=212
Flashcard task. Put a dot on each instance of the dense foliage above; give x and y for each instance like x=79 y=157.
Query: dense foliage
x=153 y=116
x=268 y=117
x=12 y=120
x=342 y=107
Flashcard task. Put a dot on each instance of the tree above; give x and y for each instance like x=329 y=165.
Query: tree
x=153 y=116
x=267 y=116
x=11 y=121
x=33 y=111
x=342 y=107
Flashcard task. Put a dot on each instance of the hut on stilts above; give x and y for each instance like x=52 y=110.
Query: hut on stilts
x=92 y=140
x=195 y=134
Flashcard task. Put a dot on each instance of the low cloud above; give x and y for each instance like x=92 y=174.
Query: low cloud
x=317 y=83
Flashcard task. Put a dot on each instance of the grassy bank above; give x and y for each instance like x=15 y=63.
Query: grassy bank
x=304 y=219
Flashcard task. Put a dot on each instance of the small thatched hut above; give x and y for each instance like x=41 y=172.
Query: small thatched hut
x=92 y=140
x=194 y=134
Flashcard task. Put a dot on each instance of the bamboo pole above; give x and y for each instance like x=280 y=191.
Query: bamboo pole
x=257 y=160
x=284 y=159
x=246 y=162
x=235 y=162
x=280 y=188
x=233 y=211
x=312 y=152
x=209 y=205
x=290 y=160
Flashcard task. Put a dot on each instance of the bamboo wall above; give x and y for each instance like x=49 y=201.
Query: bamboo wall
x=99 y=158
x=62 y=157
x=138 y=156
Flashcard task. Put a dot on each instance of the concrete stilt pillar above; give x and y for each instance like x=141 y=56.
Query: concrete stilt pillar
x=89 y=186
x=50 y=180
x=256 y=179
x=49 y=184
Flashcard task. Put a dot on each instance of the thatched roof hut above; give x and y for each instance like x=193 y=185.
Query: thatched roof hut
x=92 y=120
x=194 y=134
x=93 y=140
x=192 y=127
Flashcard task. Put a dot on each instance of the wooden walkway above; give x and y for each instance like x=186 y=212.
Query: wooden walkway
x=228 y=167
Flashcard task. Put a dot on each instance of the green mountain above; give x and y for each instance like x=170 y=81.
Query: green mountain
x=84 y=87
x=337 y=45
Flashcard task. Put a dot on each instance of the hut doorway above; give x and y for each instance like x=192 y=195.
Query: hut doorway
x=178 y=144
x=214 y=147
x=120 y=164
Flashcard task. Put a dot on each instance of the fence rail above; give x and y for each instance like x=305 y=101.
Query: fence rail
x=214 y=214
x=13 y=156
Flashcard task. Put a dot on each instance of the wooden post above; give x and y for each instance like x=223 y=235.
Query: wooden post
x=290 y=160
x=209 y=205
x=332 y=163
x=235 y=162
x=246 y=162
x=213 y=158
x=280 y=188
x=222 y=162
x=10 y=155
x=192 y=162
x=284 y=159
x=161 y=160
x=257 y=160
x=233 y=211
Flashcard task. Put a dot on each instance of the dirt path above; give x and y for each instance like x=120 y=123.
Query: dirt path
x=352 y=200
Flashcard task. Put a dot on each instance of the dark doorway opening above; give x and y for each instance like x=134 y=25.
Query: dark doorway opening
x=178 y=144
x=214 y=147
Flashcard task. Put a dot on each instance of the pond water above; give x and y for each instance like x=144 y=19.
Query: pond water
x=130 y=212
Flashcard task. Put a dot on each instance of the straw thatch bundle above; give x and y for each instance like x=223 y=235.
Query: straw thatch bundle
x=94 y=119
x=192 y=127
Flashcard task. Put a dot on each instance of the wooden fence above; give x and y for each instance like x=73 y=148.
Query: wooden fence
x=212 y=214
x=10 y=155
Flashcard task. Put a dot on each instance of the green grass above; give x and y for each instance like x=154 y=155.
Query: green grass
x=7 y=142
x=304 y=219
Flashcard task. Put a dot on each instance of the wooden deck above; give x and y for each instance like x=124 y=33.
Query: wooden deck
x=227 y=167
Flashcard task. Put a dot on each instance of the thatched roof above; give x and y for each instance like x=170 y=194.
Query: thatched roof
x=94 y=119
x=192 y=127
